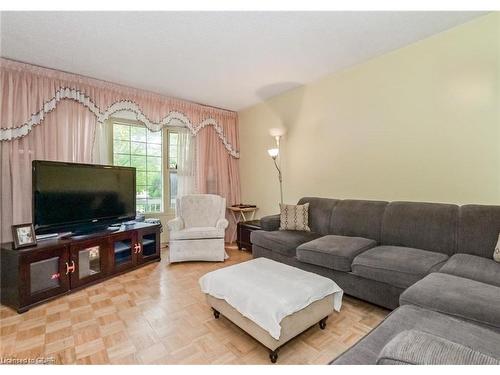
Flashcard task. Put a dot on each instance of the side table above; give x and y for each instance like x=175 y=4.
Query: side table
x=244 y=230
x=239 y=215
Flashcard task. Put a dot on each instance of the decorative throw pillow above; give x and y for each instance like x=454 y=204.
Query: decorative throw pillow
x=294 y=217
x=496 y=253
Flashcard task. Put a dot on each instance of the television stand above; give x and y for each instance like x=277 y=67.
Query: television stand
x=58 y=266
x=91 y=232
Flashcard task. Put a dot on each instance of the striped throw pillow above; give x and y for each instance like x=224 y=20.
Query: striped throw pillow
x=294 y=217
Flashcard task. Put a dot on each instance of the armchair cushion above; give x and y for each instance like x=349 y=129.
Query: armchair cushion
x=197 y=233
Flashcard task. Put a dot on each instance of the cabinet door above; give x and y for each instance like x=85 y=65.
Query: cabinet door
x=124 y=249
x=149 y=244
x=88 y=261
x=44 y=275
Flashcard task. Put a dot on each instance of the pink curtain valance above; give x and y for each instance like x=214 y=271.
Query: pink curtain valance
x=51 y=115
x=48 y=88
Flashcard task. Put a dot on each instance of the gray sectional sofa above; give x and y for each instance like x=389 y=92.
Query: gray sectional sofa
x=434 y=260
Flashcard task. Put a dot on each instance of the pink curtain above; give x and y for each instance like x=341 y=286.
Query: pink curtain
x=218 y=173
x=67 y=132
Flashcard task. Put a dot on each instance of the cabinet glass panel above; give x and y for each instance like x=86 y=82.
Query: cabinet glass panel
x=89 y=262
x=149 y=245
x=44 y=275
x=123 y=252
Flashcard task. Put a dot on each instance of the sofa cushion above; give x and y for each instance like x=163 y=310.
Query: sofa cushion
x=427 y=226
x=473 y=267
x=282 y=241
x=196 y=233
x=320 y=213
x=457 y=296
x=395 y=265
x=478 y=229
x=358 y=218
x=478 y=338
x=334 y=252
x=415 y=347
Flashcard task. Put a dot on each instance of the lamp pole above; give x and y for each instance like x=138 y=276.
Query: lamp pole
x=280 y=178
x=274 y=153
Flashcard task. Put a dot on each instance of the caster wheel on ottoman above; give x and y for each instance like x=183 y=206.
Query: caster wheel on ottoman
x=216 y=313
x=322 y=323
x=273 y=356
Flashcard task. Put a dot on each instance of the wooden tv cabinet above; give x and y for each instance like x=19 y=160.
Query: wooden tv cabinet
x=33 y=275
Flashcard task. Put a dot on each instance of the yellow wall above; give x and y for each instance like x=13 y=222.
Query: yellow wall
x=420 y=123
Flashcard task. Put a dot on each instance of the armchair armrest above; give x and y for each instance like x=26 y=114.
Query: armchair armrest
x=175 y=224
x=270 y=223
x=222 y=224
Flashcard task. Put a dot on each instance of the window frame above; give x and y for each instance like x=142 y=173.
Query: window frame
x=166 y=130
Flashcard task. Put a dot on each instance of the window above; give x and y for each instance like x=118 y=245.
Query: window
x=136 y=146
x=173 y=143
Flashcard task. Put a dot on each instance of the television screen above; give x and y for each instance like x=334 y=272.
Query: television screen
x=67 y=196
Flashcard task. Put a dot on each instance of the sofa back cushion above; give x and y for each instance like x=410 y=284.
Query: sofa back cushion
x=427 y=226
x=320 y=213
x=358 y=218
x=478 y=230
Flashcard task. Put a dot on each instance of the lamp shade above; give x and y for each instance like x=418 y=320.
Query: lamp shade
x=273 y=152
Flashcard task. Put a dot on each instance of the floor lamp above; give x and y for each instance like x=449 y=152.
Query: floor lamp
x=274 y=153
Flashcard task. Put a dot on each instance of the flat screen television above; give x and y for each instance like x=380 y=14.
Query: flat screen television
x=80 y=198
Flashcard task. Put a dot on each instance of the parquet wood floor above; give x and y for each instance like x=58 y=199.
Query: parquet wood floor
x=157 y=315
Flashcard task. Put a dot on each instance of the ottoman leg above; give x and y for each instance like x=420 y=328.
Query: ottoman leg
x=273 y=356
x=322 y=323
x=216 y=313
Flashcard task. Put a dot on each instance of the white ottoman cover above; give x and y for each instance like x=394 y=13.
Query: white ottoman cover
x=266 y=291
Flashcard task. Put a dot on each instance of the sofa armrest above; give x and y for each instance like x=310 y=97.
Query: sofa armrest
x=175 y=224
x=415 y=347
x=270 y=223
x=222 y=224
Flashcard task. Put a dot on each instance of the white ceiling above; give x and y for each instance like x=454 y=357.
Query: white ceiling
x=225 y=59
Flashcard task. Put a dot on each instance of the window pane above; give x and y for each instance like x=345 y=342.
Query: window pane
x=141 y=193
x=138 y=133
x=121 y=160
x=121 y=132
x=138 y=162
x=154 y=137
x=154 y=150
x=154 y=178
x=140 y=178
x=174 y=138
x=154 y=163
x=173 y=188
x=121 y=147
x=137 y=148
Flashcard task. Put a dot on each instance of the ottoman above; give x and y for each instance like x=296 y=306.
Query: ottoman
x=271 y=301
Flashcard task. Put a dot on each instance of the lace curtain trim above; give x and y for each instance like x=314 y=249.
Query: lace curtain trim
x=8 y=134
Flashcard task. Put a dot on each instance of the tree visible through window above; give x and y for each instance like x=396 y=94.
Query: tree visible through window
x=137 y=146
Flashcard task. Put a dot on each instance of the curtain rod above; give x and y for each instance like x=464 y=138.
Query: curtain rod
x=119 y=84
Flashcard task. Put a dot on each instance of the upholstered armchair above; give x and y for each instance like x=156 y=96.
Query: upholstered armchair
x=197 y=233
